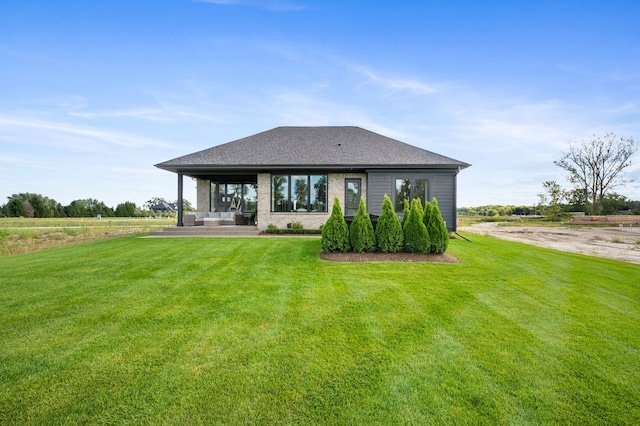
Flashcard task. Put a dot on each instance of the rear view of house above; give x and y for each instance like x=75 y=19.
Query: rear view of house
x=293 y=174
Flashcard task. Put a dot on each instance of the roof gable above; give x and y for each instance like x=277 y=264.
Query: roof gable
x=333 y=146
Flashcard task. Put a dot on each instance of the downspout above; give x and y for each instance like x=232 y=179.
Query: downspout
x=455 y=200
x=464 y=238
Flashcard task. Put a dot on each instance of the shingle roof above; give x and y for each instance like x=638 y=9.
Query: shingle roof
x=334 y=147
x=164 y=207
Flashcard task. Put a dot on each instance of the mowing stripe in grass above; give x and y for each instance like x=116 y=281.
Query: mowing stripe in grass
x=262 y=331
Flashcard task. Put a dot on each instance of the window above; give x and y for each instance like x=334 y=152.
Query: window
x=319 y=193
x=234 y=196
x=250 y=193
x=226 y=197
x=352 y=196
x=280 y=193
x=298 y=193
x=408 y=189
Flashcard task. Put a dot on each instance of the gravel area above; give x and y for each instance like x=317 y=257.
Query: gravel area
x=610 y=243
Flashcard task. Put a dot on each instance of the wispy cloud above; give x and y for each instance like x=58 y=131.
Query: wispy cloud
x=275 y=5
x=143 y=113
x=415 y=87
x=78 y=137
x=168 y=114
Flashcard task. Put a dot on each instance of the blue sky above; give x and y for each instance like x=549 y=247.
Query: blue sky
x=93 y=93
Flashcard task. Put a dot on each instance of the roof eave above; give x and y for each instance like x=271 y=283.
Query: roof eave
x=266 y=167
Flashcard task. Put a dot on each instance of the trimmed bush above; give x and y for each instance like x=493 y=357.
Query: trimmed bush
x=405 y=214
x=428 y=207
x=438 y=233
x=416 y=236
x=388 y=232
x=335 y=233
x=361 y=234
x=272 y=229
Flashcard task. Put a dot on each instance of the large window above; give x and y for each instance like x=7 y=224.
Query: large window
x=299 y=193
x=250 y=197
x=408 y=189
x=226 y=197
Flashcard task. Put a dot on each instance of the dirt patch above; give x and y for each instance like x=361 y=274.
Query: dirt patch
x=388 y=257
x=610 y=243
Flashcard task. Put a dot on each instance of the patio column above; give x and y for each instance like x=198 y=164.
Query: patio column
x=180 y=202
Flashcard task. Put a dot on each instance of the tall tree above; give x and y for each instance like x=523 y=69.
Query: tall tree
x=615 y=203
x=36 y=205
x=552 y=198
x=187 y=206
x=15 y=208
x=153 y=201
x=87 y=208
x=126 y=209
x=596 y=165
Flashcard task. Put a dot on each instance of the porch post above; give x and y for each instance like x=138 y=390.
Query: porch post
x=180 y=202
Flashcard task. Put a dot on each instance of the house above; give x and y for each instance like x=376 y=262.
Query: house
x=164 y=208
x=293 y=174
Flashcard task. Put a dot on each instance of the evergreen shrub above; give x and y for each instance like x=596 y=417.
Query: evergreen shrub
x=405 y=214
x=428 y=207
x=416 y=236
x=335 y=233
x=388 y=232
x=361 y=234
x=438 y=233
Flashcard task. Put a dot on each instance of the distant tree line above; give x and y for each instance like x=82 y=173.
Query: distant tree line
x=555 y=203
x=498 y=210
x=36 y=205
x=594 y=167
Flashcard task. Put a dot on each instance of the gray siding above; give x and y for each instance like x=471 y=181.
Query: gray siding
x=442 y=186
x=379 y=183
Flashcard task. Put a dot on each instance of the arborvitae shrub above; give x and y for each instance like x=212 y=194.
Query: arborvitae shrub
x=438 y=233
x=405 y=214
x=427 y=214
x=416 y=237
x=389 y=234
x=362 y=237
x=335 y=233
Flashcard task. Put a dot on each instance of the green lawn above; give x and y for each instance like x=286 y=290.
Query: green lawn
x=261 y=331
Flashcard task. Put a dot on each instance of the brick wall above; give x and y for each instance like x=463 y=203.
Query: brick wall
x=203 y=191
x=309 y=220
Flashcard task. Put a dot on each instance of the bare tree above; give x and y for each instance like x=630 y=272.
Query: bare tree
x=595 y=166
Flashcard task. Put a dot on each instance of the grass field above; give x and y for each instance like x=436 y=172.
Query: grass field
x=21 y=235
x=261 y=331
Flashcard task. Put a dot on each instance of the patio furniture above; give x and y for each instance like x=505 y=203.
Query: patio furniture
x=209 y=218
x=189 y=220
x=212 y=221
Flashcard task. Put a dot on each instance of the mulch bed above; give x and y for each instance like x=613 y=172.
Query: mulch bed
x=388 y=257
